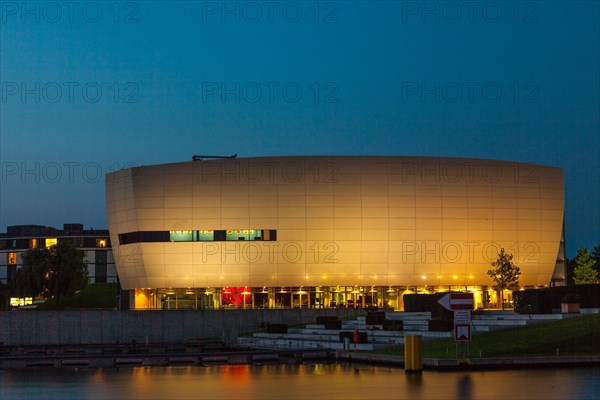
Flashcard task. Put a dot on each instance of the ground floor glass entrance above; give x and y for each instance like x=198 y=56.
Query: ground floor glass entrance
x=294 y=297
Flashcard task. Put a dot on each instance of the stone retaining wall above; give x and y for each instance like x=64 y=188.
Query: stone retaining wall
x=108 y=326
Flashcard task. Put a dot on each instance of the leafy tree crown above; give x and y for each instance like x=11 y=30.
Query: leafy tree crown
x=584 y=271
x=505 y=273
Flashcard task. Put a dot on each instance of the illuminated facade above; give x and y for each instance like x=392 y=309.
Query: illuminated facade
x=330 y=231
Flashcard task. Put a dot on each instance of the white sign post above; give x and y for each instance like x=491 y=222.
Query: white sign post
x=462 y=333
x=462 y=317
x=461 y=304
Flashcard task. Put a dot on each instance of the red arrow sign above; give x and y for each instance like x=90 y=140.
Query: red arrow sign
x=457 y=301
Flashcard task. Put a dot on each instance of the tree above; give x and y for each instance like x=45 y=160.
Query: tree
x=29 y=280
x=584 y=271
x=505 y=273
x=571 y=264
x=596 y=256
x=51 y=273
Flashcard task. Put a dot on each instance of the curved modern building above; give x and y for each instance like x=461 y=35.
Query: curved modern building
x=330 y=231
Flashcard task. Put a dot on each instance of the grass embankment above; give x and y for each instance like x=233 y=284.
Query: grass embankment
x=99 y=295
x=573 y=336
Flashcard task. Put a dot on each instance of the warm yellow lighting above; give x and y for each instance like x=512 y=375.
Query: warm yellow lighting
x=423 y=277
x=454 y=277
x=51 y=242
x=21 y=301
x=12 y=258
x=470 y=276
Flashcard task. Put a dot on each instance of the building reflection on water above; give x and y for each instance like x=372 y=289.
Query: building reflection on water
x=296 y=381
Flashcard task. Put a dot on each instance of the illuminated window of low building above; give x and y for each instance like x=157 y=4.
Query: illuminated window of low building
x=21 y=301
x=101 y=242
x=33 y=243
x=12 y=258
x=51 y=242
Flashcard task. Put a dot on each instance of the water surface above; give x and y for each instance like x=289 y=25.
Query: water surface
x=317 y=381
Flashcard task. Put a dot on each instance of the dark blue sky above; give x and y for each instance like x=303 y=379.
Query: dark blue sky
x=91 y=87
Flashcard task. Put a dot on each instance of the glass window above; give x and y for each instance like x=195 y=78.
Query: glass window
x=21 y=301
x=12 y=258
x=100 y=257
x=132 y=237
x=101 y=242
x=77 y=241
x=50 y=242
x=181 y=236
x=220 y=235
x=33 y=243
x=155 y=236
x=244 y=234
x=100 y=276
x=206 y=235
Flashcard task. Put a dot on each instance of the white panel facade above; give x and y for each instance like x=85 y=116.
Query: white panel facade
x=369 y=221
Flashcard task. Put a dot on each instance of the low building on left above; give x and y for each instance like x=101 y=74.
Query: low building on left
x=95 y=243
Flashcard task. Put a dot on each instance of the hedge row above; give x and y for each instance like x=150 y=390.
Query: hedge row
x=544 y=301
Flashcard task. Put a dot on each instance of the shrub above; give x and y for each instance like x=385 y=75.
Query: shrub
x=544 y=301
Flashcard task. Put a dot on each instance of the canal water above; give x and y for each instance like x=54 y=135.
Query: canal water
x=309 y=381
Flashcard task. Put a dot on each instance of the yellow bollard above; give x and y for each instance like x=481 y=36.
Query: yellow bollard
x=413 y=363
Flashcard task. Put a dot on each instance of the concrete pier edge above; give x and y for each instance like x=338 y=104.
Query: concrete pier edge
x=474 y=363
